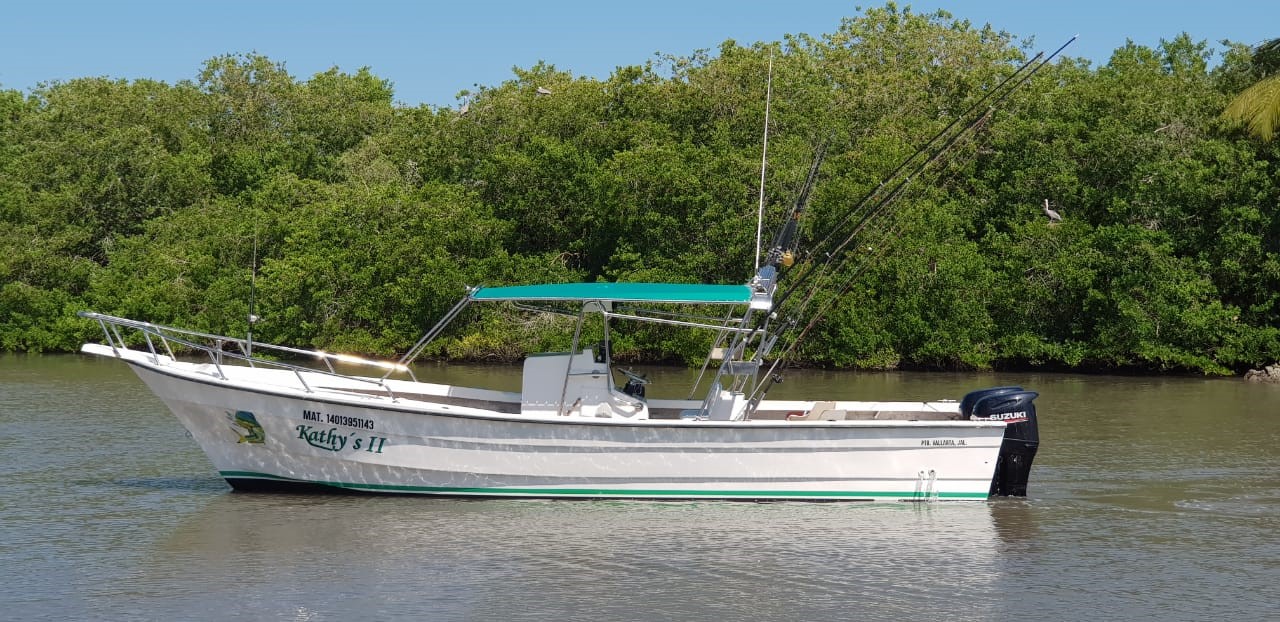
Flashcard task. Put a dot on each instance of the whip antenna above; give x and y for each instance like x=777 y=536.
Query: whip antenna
x=253 y=289
x=764 y=157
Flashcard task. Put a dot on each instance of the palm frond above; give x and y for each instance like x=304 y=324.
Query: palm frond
x=1257 y=108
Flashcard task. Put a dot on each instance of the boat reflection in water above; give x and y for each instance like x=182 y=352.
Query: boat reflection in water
x=483 y=560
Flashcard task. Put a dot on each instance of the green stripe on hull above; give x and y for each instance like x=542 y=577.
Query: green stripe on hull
x=614 y=492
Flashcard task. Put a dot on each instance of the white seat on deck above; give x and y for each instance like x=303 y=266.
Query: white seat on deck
x=821 y=411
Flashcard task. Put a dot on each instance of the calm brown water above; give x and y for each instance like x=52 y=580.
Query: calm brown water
x=1152 y=498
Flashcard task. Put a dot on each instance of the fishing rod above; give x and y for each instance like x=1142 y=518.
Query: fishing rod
x=943 y=132
x=833 y=265
x=1001 y=93
x=785 y=236
x=882 y=246
x=785 y=240
x=780 y=255
x=762 y=388
x=886 y=200
x=998 y=89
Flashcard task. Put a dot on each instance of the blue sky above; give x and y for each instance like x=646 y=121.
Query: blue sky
x=433 y=50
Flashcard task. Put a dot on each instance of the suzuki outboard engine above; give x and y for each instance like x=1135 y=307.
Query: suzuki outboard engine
x=1016 y=408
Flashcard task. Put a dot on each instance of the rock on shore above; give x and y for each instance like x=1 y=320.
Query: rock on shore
x=1270 y=373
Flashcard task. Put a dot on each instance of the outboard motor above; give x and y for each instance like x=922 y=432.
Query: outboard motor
x=1017 y=409
x=972 y=397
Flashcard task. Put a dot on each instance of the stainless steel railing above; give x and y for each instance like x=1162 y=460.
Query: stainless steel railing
x=216 y=347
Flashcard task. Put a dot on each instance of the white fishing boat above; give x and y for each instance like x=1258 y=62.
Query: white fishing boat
x=571 y=431
x=574 y=430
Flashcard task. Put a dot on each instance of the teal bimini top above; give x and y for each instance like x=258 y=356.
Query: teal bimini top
x=681 y=293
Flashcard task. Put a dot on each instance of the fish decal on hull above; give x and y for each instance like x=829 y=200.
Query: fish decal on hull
x=246 y=426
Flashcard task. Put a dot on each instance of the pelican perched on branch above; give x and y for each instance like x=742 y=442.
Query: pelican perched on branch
x=1054 y=217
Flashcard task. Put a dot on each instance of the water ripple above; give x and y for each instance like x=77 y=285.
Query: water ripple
x=1143 y=506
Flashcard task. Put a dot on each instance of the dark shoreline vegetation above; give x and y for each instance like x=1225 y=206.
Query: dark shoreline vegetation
x=145 y=199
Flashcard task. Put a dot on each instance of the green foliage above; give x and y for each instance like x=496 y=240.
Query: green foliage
x=366 y=219
x=1258 y=106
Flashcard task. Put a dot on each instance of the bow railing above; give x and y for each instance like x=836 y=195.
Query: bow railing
x=160 y=341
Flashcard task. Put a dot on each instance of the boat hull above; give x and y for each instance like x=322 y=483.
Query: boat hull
x=262 y=436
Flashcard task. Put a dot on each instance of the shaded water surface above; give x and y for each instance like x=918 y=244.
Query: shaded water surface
x=1152 y=498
